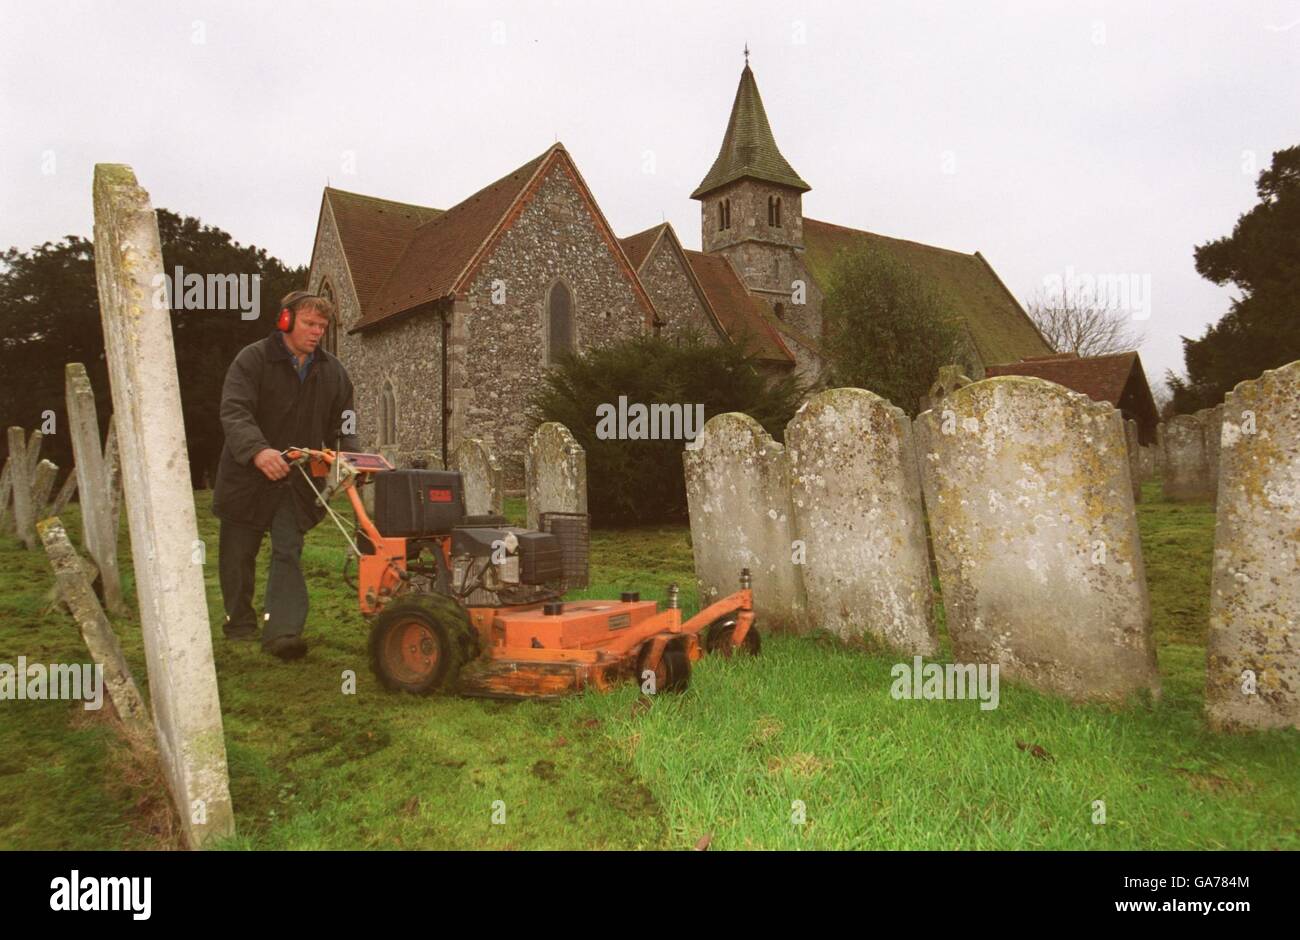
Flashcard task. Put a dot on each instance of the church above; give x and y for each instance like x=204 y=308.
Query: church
x=448 y=318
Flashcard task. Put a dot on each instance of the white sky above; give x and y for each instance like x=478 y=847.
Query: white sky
x=1106 y=138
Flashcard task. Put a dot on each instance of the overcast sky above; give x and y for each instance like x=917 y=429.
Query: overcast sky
x=1098 y=138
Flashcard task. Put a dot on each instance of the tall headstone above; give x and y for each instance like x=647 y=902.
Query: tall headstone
x=1253 y=648
x=738 y=496
x=482 y=477
x=1133 y=454
x=858 y=520
x=98 y=524
x=20 y=474
x=1187 y=472
x=42 y=484
x=1212 y=427
x=1028 y=492
x=555 y=471
x=160 y=506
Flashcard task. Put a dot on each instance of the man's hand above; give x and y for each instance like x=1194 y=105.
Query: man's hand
x=272 y=465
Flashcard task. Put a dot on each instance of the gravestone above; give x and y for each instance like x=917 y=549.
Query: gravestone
x=1212 y=426
x=1253 y=648
x=1032 y=514
x=738 y=495
x=1133 y=453
x=482 y=476
x=160 y=511
x=856 y=495
x=98 y=522
x=555 y=473
x=20 y=475
x=1186 y=468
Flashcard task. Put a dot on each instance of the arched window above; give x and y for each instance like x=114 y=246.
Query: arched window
x=724 y=214
x=779 y=310
x=331 y=339
x=388 y=416
x=774 y=211
x=559 y=322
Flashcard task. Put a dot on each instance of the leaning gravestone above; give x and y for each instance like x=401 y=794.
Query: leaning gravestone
x=98 y=523
x=160 y=506
x=856 y=497
x=482 y=479
x=1036 y=537
x=1186 y=469
x=738 y=495
x=1133 y=453
x=1253 y=649
x=555 y=472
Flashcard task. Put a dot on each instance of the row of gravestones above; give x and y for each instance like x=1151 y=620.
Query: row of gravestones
x=1027 y=487
x=1190 y=447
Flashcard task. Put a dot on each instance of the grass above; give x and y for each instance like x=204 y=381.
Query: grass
x=807 y=727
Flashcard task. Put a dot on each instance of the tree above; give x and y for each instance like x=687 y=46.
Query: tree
x=49 y=316
x=1073 y=322
x=638 y=480
x=1261 y=329
x=886 y=328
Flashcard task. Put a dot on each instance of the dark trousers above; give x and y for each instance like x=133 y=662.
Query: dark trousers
x=286 y=589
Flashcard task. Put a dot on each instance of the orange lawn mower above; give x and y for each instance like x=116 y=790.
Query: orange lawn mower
x=473 y=605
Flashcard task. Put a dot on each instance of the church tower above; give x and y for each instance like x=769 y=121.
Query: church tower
x=751 y=200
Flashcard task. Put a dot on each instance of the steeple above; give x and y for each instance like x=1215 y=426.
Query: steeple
x=748 y=148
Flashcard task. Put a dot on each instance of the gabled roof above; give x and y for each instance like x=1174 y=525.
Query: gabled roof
x=748 y=147
x=442 y=254
x=637 y=247
x=373 y=232
x=740 y=314
x=994 y=319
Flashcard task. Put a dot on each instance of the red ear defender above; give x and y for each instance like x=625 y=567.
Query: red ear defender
x=285 y=323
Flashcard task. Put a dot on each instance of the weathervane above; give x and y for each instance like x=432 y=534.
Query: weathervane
x=747 y=53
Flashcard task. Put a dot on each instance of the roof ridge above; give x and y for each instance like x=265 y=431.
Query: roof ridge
x=391 y=202
x=892 y=238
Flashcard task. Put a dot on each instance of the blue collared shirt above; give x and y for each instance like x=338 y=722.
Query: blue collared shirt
x=306 y=362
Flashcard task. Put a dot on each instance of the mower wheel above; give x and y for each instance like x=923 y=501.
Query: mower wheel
x=417 y=645
x=717 y=638
x=674 y=672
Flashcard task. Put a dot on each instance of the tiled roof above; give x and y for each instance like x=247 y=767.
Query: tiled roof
x=737 y=310
x=1101 y=378
x=994 y=319
x=373 y=232
x=440 y=250
x=748 y=147
x=637 y=247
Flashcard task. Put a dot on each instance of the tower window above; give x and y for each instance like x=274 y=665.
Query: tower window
x=724 y=214
x=559 y=322
x=774 y=211
x=779 y=310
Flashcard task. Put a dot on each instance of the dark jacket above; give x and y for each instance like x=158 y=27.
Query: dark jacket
x=264 y=404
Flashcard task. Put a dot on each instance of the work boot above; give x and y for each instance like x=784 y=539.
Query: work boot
x=239 y=631
x=286 y=647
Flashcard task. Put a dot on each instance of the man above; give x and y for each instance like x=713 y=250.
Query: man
x=280 y=392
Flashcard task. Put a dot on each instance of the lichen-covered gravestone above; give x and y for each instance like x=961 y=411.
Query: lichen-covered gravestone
x=738 y=495
x=1133 y=454
x=1253 y=649
x=168 y=555
x=856 y=496
x=555 y=472
x=1186 y=470
x=1034 y=528
x=482 y=478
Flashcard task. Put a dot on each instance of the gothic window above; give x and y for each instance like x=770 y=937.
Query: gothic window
x=331 y=339
x=559 y=322
x=388 y=416
x=774 y=211
x=724 y=214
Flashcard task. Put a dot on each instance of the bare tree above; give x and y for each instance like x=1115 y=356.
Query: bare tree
x=1075 y=323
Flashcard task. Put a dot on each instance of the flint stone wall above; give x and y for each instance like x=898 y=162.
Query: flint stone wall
x=1186 y=469
x=1255 y=587
x=1036 y=538
x=856 y=498
x=738 y=494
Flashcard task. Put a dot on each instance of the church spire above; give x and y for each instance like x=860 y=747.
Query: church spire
x=748 y=147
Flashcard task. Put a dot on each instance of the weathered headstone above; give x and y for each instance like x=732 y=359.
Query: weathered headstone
x=113 y=467
x=66 y=492
x=1212 y=426
x=34 y=453
x=6 y=495
x=856 y=497
x=160 y=506
x=1186 y=470
x=21 y=482
x=1133 y=455
x=1253 y=648
x=1027 y=488
x=42 y=484
x=482 y=476
x=738 y=496
x=98 y=522
x=1147 y=462
x=555 y=472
